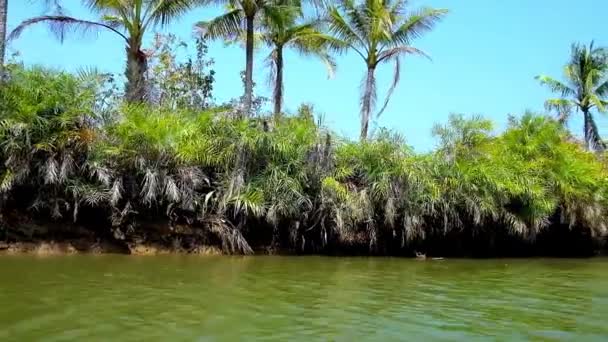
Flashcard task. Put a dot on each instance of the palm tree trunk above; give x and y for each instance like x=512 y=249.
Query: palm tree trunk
x=593 y=141
x=3 y=19
x=249 y=66
x=367 y=101
x=137 y=65
x=586 y=129
x=278 y=83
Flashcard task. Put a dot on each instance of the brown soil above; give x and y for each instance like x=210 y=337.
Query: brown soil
x=82 y=246
x=75 y=246
x=152 y=249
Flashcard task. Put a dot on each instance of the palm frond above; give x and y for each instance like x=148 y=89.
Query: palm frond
x=165 y=11
x=227 y=26
x=563 y=107
x=339 y=28
x=555 y=85
x=415 y=25
x=60 y=26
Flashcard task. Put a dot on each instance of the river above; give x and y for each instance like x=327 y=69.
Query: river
x=178 y=298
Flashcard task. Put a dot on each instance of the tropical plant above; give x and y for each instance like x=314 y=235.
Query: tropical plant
x=379 y=31
x=130 y=20
x=543 y=169
x=240 y=17
x=45 y=132
x=585 y=88
x=286 y=30
x=175 y=83
x=188 y=178
x=3 y=19
x=364 y=192
x=461 y=136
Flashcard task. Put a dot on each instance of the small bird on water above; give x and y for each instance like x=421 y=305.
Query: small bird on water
x=422 y=256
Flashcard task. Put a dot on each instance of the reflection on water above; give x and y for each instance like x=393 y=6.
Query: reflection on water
x=308 y=298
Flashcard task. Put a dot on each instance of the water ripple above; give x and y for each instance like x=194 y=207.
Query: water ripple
x=310 y=298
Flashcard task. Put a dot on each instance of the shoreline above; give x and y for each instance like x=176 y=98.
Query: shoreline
x=78 y=246
x=99 y=247
x=23 y=235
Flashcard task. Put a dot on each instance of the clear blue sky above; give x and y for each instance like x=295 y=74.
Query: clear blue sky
x=485 y=56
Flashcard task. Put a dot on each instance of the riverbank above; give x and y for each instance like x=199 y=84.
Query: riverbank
x=80 y=246
x=66 y=242
x=184 y=179
x=22 y=234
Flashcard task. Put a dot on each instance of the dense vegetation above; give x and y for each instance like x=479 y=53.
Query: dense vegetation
x=287 y=182
x=159 y=162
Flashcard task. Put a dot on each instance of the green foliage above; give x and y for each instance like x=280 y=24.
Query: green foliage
x=286 y=27
x=585 y=88
x=240 y=19
x=286 y=177
x=68 y=142
x=176 y=84
x=379 y=31
x=129 y=20
x=45 y=130
x=518 y=179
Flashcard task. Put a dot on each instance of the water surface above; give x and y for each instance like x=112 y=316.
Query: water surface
x=172 y=298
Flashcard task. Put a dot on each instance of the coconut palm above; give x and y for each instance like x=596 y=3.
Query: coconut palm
x=379 y=31
x=285 y=31
x=242 y=19
x=585 y=88
x=239 y=18
x=129 y=20
x=3 y=17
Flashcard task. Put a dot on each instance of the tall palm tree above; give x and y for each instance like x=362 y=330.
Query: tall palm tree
x=240 y=17
x=585 y=88
x=285 y=31
x=129 y=20
x=3 y=18
x=379 y=31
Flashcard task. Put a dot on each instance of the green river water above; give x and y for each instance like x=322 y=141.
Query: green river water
x=173 y=298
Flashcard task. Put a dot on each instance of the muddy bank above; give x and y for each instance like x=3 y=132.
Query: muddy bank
x=29 y=236
x=154 y=236
x=97 y=247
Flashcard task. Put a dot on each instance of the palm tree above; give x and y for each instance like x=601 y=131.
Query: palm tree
x=130 y=20
x=585 y=88
x=283 y=31
x=3 y=17
x=241 y=16
x=379 y=31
